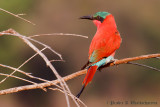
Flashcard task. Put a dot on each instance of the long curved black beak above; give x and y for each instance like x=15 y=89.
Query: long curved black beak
x=87 y=17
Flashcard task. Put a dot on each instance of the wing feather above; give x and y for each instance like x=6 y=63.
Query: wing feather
x=104 y=46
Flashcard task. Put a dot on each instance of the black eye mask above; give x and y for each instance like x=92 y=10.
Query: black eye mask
x=99 y=18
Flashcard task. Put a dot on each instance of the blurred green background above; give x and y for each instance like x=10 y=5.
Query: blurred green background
x=138 y=22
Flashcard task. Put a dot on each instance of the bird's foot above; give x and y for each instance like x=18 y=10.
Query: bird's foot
x=113 y=61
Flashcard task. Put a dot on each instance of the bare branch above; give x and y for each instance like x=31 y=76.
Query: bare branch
x=21 y=14
x=18 y=78
x=14 y=33
x=71 y=76
x=57 y=60
x=48 y=63
x=40 y=85
x=12 y=68
x=18 y=16
x=126 y=60
x=146 y=66
x=20 y=67
x=67 y=34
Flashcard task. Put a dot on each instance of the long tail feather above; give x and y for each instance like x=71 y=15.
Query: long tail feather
x=78 y=95
x=90 y=73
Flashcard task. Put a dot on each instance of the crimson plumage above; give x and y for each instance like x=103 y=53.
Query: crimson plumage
x=103 y=45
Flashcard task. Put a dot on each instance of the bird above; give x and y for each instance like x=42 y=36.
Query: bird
x=103 y=46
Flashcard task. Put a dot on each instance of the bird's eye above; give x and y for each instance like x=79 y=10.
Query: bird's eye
x=99 y=18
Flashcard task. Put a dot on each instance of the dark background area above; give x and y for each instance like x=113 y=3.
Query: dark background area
x=137 y=21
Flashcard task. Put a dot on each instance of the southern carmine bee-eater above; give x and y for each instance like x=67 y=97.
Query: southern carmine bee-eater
x=103 y=46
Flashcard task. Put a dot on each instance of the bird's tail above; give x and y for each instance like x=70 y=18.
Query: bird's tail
x=90 y=73
x=88 y=78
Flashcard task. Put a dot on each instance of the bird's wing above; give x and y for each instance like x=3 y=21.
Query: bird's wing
x=104 y=46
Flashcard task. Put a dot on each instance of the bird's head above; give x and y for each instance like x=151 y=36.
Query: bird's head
x=97 y=18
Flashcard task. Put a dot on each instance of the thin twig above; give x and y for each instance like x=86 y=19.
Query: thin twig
x=18 y=78
x=14 y=33
x=57 y=60
x=9 y=75
x=12 y=68
x=37 y=86
x=18 y=16
x=48 y=63
x=21 y=66
x=21 y=14
x=67 y=34
x=146 y=66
